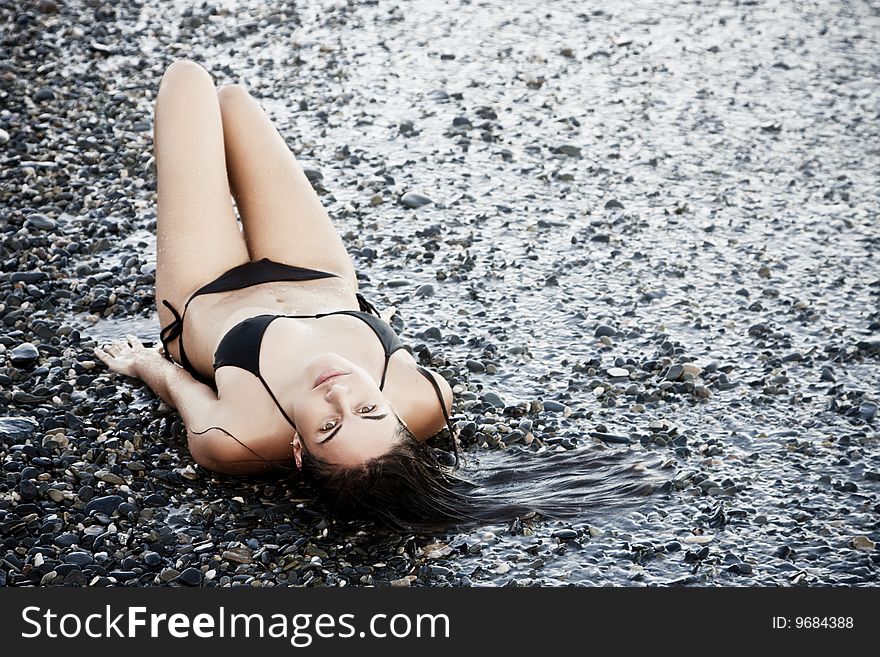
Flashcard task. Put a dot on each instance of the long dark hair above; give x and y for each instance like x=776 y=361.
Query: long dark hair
x=413 y=487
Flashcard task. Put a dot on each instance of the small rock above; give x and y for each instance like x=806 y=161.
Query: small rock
x=414 y=200
x=109 y=477
x=699 y=539
x=106 y=504
x=24 y=355
x=863 y=543
x=867 y=410
x=191 y=576
x=493 y=399
x=565 y=534
x=154 y=499
x=39 y=221
x=674 y=373
x=17 y=429
x=80 y=559
x=238 y=555
x=152 y=559
x=44 y=94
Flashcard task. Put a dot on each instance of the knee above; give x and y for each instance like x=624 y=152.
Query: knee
x=187 y=70
x=231 y=93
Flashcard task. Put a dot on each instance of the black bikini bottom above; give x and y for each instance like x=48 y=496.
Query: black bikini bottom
x=237 y=278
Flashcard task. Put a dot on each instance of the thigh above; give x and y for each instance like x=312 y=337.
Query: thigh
x=283 y=218
x=197 y=234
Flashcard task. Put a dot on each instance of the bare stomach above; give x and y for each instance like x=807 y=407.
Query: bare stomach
x=210 y=316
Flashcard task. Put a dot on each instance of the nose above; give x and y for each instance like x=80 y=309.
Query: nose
x=335 y=390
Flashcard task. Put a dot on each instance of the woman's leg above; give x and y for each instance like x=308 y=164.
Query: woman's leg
x=197 y=235
x=282 y=215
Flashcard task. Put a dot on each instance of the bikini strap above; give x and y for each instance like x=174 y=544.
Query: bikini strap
x=175 y=330
x=365 y=305
x=172 y=331
x=430 y=378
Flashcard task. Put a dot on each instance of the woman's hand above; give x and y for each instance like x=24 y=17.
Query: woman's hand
x=388 y=313
x=125 y=357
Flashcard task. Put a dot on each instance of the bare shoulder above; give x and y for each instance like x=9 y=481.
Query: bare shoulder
x=247 y=435
x=416 y=398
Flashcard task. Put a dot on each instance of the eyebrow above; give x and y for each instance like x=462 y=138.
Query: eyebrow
x=339 y=426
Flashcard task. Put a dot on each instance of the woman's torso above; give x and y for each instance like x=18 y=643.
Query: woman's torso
x=210 y=317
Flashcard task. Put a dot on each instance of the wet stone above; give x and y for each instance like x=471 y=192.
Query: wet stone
x=414 y=200
x=475 y=366
x=39 y=221
x=190 y=576
x=868 y=410
x=565 y=534
x=24 y=355
x=28 y=489
x=17 y=429
x=151 y=559
x=494 y=399
x=106 y=504
x=80 y=559
x=155 y=499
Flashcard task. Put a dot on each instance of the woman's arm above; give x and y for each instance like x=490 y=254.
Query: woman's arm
x=215 y=440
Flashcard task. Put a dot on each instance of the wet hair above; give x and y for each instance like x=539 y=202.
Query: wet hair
x=413 y=488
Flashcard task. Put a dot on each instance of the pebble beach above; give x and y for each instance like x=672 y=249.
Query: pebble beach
x=640 y=227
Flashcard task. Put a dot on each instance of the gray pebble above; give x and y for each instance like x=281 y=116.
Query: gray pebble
x=674 y=373
x=867 y=410
x=565 y=534
x=24 y=355
x=190 y=576
x=80 y=559
x=17 y=429
x=106 y=504
x=39 y=221
x=475 y=366
x=152 y=559
x=414 y=200
x=44 y=94
x=494 y=399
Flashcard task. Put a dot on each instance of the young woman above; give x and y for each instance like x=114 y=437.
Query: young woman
x=284 y=363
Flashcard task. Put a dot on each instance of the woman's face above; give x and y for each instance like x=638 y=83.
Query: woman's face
x=344 y=419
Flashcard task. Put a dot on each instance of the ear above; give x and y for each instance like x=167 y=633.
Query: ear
x=297 y=451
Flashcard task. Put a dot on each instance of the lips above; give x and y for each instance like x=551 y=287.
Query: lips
x=325 y=375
